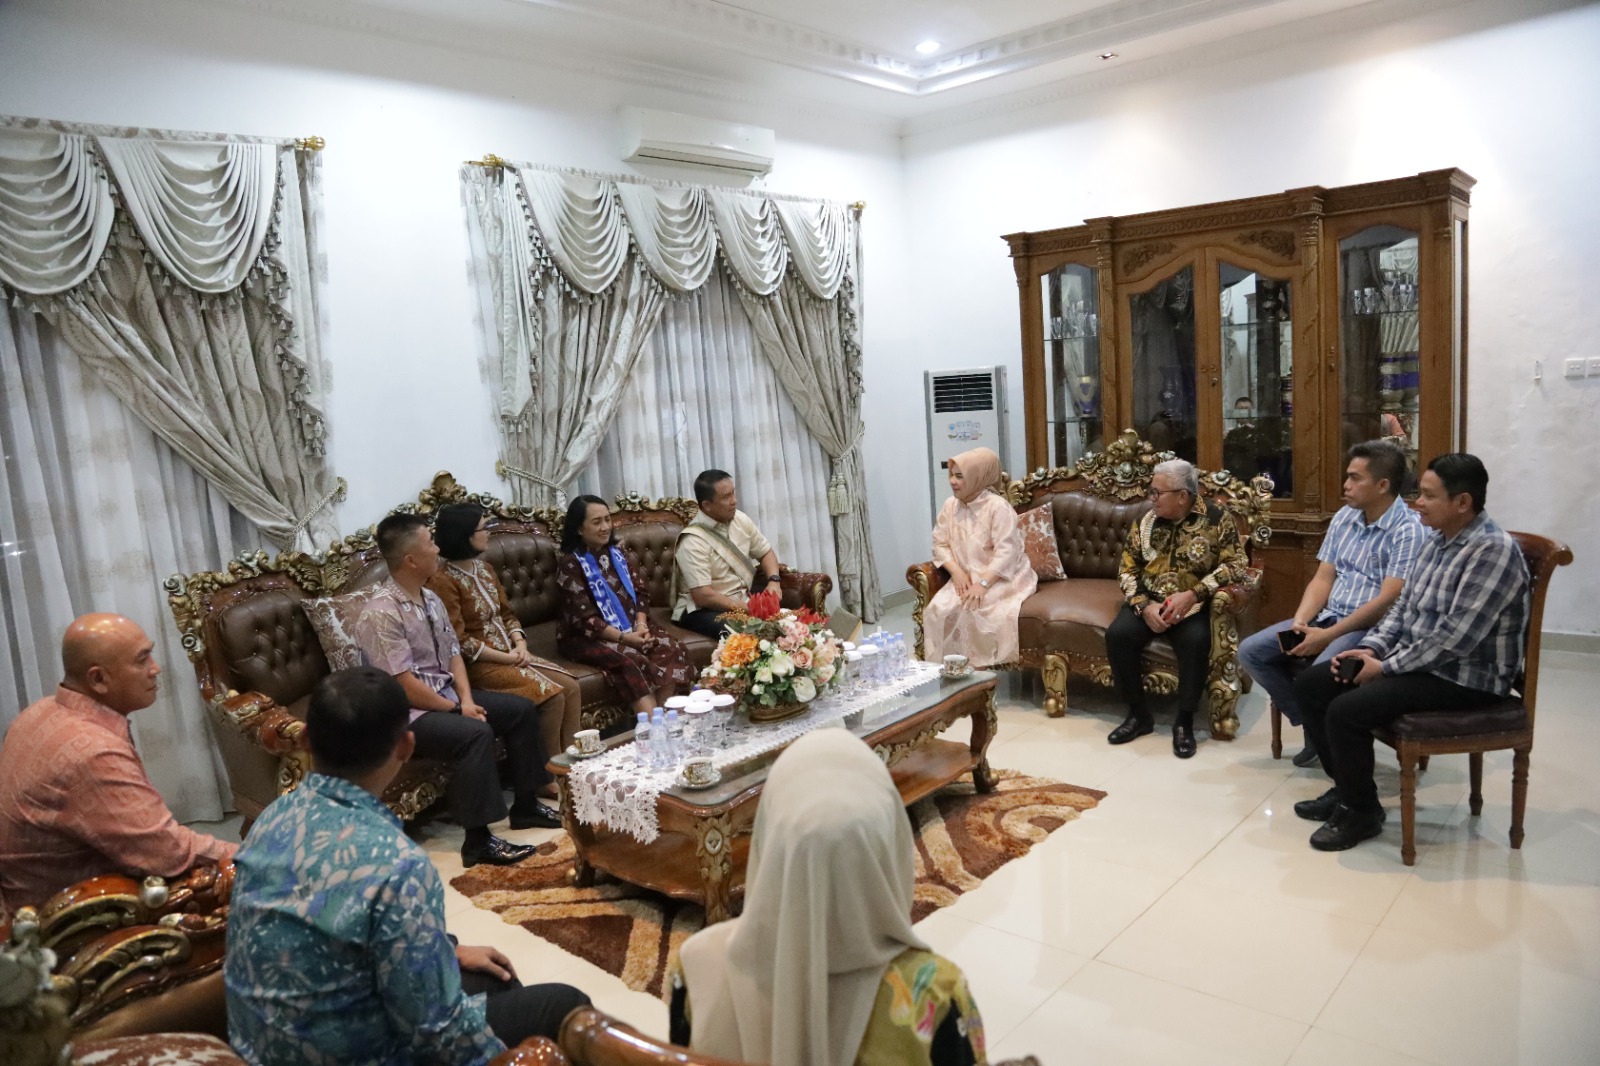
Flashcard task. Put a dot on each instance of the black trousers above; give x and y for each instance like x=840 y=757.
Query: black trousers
x=517 y=1011
x=704 y=621
x=474 y=795
x=1340 y=718
x=1128 y=636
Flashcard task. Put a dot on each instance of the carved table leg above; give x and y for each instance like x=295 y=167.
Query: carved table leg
x=984 y=727
x=1054 y=673
x=713 y=846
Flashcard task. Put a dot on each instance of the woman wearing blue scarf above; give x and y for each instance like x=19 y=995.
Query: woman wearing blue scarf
x=605 y=612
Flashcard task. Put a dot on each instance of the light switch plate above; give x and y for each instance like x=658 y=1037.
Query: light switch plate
x=1594 y=366
x=1575 y=368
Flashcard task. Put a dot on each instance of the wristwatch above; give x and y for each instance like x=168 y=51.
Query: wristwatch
x=982 y=582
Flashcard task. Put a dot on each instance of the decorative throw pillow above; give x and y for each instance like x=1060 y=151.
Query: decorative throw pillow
x=334 y=620
x=1038 y=528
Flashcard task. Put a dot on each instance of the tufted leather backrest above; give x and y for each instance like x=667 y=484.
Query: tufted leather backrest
x=261 y=641
x=1090 y=531
x=526 y=564
x=653 y=544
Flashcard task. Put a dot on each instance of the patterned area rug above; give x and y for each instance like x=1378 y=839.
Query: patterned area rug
x=962 y=838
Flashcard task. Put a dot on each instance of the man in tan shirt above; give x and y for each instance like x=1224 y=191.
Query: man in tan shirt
x=721 y=558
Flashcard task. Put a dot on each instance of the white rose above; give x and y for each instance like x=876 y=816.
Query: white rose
x=766 y=645
x=804 y=690
x=782 y=665
x=764 y=675
x=756 y=690
x=824 y=674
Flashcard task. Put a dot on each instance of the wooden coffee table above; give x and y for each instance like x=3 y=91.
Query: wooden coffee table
x=704 y=843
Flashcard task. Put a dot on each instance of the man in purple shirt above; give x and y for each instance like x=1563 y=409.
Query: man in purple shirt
x=405 y=631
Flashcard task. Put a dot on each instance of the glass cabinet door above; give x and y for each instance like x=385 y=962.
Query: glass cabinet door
x=1162 y=322
x=1257 y=360
x=1072 y=362
x=1381 y=338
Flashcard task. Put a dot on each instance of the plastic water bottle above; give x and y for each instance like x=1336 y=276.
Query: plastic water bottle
x=675 y=749
x=658 y=739
x=642 y=752
x=900 y=658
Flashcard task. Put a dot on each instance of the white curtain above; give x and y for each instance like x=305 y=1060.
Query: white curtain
x=702 y=396
x=95 y=512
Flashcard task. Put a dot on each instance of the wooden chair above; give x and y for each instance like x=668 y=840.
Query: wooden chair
x=1508 y=724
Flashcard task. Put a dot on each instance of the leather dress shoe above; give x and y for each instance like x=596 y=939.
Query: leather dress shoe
x=1308 y=755
x=1182 y=740
x=1347 y=828
x=1319 y=809
x=1132 y=728
x=495 y=852
x=539 y=816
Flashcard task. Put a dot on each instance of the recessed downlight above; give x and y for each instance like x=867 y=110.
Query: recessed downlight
x=927 y=48
x=1108 y=55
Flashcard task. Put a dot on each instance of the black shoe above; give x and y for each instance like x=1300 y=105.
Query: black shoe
x=1182 y=739
x=1347 y=828
x=538 y=816
x=1308 y=755
x=495 y=852
x=1132 y=728
x=1319 y=809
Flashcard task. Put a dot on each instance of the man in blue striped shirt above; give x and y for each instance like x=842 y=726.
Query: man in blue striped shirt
x=1453 y=641
x=1366 y=557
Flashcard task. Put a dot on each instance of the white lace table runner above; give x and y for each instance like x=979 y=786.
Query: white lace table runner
x=615 y=790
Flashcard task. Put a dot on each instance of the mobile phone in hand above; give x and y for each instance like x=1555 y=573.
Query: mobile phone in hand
x=1349 y=668
x=1290 y=639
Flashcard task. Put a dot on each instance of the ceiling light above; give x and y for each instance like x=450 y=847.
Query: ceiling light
x=1108 y=55
x=927 y=48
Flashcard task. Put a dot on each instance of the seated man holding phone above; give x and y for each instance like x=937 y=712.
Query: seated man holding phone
x=721 y=559
x=1175 y=557
x=1453 y=641
x=1365 y=558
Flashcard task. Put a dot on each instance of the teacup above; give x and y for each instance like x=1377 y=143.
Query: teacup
x=955 y=664
x=698 y=770
x=587 y=741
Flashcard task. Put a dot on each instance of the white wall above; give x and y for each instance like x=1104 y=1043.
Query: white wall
x=407 y=396
x=1516 y=105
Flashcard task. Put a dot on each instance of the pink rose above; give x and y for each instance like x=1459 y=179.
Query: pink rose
x=802 y=658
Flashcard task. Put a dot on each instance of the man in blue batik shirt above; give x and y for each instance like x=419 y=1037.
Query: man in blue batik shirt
x=1365 y=559
x=337 y=950
x=1453 y=641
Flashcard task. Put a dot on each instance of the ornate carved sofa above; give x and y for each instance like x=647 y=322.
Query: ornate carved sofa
x=256 y=656
x=1062 y=626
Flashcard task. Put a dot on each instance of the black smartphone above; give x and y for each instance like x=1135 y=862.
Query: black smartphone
x=1349 y=668
x=1290 y=639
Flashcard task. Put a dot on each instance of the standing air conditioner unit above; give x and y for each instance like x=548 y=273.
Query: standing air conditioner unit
x=669 y=137
x=966 y=409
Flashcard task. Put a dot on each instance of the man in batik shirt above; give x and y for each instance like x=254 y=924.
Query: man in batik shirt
x=337 y=950
x=1175 y=558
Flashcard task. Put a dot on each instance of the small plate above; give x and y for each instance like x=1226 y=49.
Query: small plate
x=573 y=752
x=955 y=675
x=716 y=779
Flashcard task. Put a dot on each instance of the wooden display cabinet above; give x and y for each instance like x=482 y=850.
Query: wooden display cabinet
x=1264 y=336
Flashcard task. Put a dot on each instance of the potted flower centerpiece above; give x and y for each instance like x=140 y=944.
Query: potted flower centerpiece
x=773 y=660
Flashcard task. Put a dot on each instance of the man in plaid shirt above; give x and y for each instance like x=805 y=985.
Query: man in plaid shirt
x=1452 y=641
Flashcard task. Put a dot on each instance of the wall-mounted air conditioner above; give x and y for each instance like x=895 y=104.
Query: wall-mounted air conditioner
x=669 y=137
x=966 y=410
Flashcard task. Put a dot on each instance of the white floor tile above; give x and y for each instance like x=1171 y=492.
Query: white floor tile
x=1264 y=955
x=1161 y=834
x=1324 y=1048
x=1110 y=1017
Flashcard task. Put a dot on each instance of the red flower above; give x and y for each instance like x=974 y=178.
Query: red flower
x=763 y=605
x=810 y=617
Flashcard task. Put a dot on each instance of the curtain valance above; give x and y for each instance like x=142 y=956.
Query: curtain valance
x=587 y=222
x=203 y=208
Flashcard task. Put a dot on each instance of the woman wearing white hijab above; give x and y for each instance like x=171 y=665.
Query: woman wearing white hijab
x=977 y=541
x=823 y=968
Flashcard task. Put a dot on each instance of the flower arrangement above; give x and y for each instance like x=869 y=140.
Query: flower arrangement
x=774 y=660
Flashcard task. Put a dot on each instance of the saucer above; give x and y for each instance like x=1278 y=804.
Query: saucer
x=955 y=675
x=573 y=752
x=716 y=779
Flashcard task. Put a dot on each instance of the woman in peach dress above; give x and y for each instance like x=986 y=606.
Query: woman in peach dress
x=976 y=540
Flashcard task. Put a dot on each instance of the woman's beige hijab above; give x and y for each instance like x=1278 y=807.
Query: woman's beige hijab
x=827 y=908
x=980 y=470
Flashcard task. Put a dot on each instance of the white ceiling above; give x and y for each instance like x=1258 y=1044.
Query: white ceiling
x=851 y=56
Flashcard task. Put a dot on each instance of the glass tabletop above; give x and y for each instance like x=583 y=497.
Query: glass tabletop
x=864 y=723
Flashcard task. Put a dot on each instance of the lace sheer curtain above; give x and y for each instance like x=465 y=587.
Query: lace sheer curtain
x=702 y=396
x=95 y=512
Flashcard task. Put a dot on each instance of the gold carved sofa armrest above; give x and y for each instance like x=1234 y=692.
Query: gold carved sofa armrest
x=1234 y=599
x=263 y=722
x=925 y=580
x=802 y=588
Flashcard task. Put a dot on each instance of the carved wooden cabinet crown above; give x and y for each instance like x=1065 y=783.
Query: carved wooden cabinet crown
x=1263 y=336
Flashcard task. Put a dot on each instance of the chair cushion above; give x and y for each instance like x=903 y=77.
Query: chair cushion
x=154 y=1049
x=1507 y=716
x=1072 y=616
x=334 y=620
x=1039 y=541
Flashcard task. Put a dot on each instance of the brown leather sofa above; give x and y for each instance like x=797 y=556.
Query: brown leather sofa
x=1062 y=626
x=257 y=657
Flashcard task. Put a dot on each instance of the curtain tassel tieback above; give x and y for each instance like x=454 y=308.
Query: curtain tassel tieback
x=503 y=468
x=336 y=493
x=838 y=494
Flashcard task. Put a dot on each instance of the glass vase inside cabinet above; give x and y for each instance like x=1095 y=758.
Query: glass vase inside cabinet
x=1381 y=338
x=1257 y=358
x=1162 y=324
x=1072 y=361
